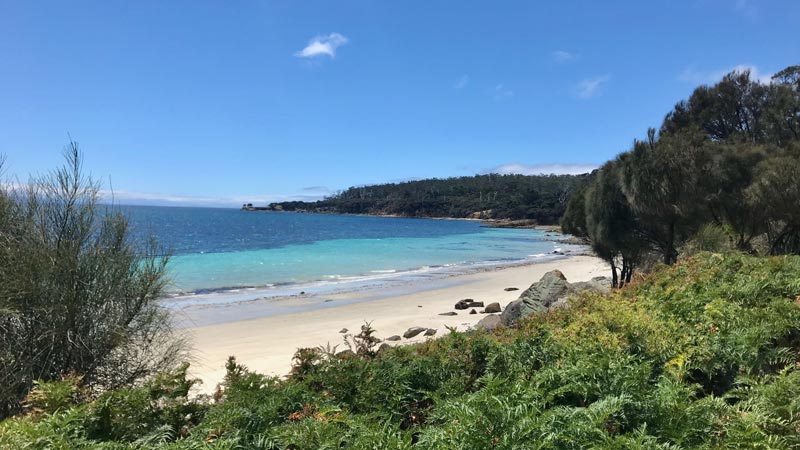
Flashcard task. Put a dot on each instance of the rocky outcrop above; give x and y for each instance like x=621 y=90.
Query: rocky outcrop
x=551 y=291
x=430 y=331
x=413 y=331
x=393 y=338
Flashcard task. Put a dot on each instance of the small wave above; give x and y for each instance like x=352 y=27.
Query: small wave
x=384 y=271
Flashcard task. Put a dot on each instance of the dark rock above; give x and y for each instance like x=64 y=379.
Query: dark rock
x=413 y=331
x=328 y=300
x=449 y=313
x=473 y=312
x=384 y=347
x=343 y=330
x=463 y=304
x=489 y=322
x=493 y=308
x=468 y=303
x=509 y=289
x=430 y=332
x=537 y=298
x=302 y=292
x=393 y=338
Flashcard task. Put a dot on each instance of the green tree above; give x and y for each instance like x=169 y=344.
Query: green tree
x=729 y=175
x=731 y=110
x=776 y=190
x=610 y=223
x=662 y=179
x=77 y=295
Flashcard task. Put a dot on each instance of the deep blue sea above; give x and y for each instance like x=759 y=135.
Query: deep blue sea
x=218 y=250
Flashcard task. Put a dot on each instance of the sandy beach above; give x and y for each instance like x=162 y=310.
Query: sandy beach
x=266 y=344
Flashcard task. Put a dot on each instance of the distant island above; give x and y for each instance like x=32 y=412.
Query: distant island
x=527 y=199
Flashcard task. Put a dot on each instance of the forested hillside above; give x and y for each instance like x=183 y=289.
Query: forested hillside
x=542 y=198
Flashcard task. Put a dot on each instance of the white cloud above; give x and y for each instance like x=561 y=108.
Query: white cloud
x=500 y=93
x=695 y=76
x=543 y=169
x=562 y=56
x=461 y=82
x=322 y=45
x=590 y=87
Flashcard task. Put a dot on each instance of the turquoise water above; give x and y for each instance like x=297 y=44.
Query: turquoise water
x=226 y=250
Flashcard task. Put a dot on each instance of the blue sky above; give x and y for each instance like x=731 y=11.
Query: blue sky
x=214 y=103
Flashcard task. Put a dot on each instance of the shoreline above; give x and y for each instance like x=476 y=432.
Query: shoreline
x=264 y=335
x=488 y=223
x=253 y=303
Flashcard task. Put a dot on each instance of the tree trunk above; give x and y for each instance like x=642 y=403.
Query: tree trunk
x=613 y=273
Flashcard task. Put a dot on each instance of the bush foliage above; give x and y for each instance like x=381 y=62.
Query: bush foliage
x=703 y=354
x=78 y=297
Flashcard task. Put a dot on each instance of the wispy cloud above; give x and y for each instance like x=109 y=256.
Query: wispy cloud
x=500 y=93
x=563 y=56
x=591 y=87
x=322 y=45
x=543 y=169
x=461 y=82
x=692 y=75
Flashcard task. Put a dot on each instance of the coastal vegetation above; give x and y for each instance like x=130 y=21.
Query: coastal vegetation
x=725 y=162
x=541 y=198
x=78 y=297
x=702 y=354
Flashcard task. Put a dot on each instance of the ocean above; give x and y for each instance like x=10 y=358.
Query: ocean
x=223 y=255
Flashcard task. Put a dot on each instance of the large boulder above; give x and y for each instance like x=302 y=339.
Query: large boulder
x=597 y=284
x=492 y=308
x=489 y=322
x=551 y=291
x=537 y=298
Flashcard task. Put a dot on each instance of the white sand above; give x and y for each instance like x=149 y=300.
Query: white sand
x=267 y=344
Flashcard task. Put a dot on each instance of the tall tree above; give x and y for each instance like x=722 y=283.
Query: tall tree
x=776 y=190
x=731 y=110
x=610 y=223
x=662 y=180
x=729 y=175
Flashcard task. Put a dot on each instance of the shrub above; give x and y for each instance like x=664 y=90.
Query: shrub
x=78 y=296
